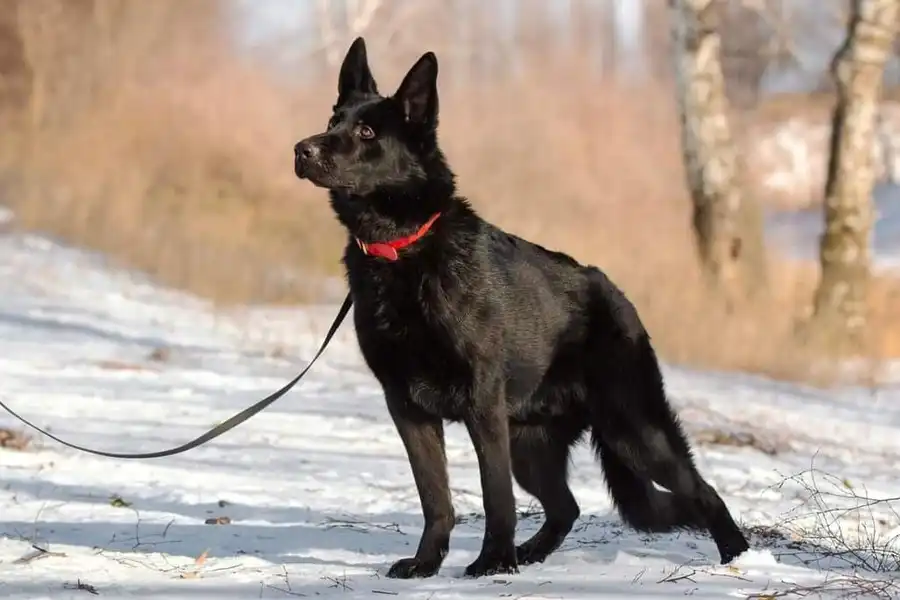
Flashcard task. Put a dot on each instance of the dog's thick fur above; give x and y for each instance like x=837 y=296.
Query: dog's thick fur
x=524 y=346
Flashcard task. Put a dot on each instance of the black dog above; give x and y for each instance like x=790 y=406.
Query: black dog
x=461 y=321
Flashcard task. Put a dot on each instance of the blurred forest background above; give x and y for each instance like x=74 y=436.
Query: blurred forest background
x=160 y=133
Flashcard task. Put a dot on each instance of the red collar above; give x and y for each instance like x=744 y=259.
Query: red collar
x=389 y=249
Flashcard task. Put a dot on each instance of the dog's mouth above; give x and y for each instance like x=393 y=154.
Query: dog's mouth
x=301 y=170
x=312 y=173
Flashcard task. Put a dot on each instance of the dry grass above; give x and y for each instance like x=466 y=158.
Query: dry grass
x=198 y=198
x=178 y=163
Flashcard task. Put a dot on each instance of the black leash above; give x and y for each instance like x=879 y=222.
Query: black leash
x=221 y=427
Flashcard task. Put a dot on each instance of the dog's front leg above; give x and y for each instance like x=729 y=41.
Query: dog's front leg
x=423 y=437
x=488 y=426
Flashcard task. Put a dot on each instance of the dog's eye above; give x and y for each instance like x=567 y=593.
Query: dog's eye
x=365 y=132
x=333 y=122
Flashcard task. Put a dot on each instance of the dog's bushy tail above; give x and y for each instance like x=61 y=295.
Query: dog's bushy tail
x=641 y=504
x=634 y=431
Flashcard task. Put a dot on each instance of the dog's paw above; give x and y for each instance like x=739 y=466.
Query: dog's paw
x=540 y=546
x=732 y=549
x=494 y=564
x=409 y=568
x=530 y=553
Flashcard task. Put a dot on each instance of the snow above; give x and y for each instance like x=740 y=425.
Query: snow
x=317 y=489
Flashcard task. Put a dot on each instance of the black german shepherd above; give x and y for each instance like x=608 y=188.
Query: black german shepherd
x=461 y=321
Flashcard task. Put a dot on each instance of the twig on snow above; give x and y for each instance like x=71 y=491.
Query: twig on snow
x=81 y=586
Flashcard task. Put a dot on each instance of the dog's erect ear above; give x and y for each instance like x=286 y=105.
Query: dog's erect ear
x=355 y=75
x=418 y=91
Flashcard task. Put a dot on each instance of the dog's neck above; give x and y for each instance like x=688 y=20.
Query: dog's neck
x=387 y=214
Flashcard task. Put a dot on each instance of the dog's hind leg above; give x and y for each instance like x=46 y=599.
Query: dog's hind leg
x=651 y=453
x=632 y=418
x=540 y=460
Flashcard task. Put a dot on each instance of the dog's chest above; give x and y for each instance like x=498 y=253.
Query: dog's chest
x=410 y=329
x=395 y=313
x=409 y=342
x=400 y=302
x=421 y=362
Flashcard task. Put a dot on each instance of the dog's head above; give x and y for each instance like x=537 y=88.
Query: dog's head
x=373 y=141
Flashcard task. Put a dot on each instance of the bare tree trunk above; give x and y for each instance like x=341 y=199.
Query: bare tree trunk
x=727 y=225
x=841 y=300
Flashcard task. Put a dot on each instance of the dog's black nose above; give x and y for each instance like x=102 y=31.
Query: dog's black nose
x=306 y=151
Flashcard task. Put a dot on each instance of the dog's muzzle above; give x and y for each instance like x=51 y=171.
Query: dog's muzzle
x=307 y=156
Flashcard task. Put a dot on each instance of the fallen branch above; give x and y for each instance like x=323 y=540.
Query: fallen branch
x=82 y=586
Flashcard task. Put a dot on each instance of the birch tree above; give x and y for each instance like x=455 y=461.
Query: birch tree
x=841 y=300
x=727 y=226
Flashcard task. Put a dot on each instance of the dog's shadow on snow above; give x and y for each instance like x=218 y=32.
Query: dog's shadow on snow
x=295 y=535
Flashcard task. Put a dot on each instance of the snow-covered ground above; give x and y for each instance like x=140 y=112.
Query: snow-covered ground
x=317 y=489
